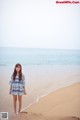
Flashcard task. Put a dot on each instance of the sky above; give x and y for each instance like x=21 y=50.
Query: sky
x=39 y=24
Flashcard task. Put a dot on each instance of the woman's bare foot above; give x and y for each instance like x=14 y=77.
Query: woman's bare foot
x=18 y=113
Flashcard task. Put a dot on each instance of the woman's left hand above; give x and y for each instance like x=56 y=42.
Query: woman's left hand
x=25 y=93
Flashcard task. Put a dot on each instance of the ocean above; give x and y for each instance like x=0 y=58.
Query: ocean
x=38 y=56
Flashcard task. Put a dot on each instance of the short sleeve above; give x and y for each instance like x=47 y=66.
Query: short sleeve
x=23 y=79
x=10 y=82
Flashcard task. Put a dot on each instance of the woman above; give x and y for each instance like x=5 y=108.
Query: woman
x=17 y=87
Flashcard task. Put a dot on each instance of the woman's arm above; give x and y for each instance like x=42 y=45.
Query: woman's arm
x=25 y=93
x=24 y=85
x=10 y=83
x=10 y=89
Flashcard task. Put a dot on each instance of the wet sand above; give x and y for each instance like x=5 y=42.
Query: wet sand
x=62 y=104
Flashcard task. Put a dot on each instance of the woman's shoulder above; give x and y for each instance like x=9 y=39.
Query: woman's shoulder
x=12 y=76
x=23 y=76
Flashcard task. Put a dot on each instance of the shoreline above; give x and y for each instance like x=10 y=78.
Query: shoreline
x=58 y=105
x=38 y=99
x=41 y=81
x=60 y=94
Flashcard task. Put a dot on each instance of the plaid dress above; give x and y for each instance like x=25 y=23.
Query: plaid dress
x=17 y=86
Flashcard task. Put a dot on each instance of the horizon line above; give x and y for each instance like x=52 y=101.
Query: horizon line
x=38 y=48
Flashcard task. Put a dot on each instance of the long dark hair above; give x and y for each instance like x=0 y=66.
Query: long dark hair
x=15 y=72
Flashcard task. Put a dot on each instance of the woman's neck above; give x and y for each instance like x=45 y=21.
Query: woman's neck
x=18 y=74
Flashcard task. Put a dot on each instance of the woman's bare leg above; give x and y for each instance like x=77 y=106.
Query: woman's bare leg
x=14 y=102
x=20 y=102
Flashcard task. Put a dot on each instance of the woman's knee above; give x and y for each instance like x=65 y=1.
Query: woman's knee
x=15 y=98
x=20 y=99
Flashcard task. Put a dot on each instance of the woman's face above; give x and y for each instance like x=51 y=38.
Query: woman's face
x=18 y=68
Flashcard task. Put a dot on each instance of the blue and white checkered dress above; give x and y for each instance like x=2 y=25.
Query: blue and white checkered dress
x=17 y=87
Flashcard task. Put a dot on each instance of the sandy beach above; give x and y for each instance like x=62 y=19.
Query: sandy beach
x=62 y=104
x=53 y=93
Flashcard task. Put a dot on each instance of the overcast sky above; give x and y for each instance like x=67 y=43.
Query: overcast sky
x=39 y=24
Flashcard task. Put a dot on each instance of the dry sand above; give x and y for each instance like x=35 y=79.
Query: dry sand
x=62 y=104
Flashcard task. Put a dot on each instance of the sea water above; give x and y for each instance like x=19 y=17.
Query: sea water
x=38 y=56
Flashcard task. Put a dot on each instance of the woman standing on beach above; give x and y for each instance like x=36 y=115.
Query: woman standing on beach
x=17 y=87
